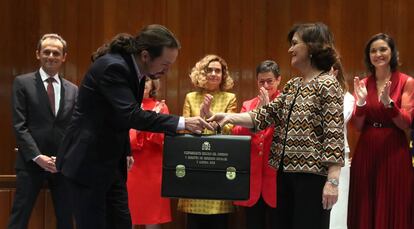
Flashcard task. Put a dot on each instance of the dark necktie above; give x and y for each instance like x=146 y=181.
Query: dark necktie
x=51 y=93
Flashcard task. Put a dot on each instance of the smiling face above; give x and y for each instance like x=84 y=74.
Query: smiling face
x=299 y=52
x=214 y=76
x=380 y=54
x=51 y=55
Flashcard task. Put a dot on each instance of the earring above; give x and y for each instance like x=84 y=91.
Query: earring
x=310 y=56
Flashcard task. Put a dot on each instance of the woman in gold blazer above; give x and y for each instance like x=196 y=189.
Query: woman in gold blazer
x=211 y=78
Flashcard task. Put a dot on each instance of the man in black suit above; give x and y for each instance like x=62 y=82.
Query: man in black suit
x=42 y=104
x=93 y=155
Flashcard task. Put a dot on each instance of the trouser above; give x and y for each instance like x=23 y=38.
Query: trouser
x=28 y=186
x=198 y=221
x=259 y=215
x=299 y=201
x=103 y=207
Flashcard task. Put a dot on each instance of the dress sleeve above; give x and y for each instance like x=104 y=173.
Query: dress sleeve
x=402 y=116
x=332 y=122
x=268 y=115
x=239 y=130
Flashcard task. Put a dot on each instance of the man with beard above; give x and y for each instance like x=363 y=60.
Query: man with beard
x=94 y=151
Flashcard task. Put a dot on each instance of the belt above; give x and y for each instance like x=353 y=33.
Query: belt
x=379 y=125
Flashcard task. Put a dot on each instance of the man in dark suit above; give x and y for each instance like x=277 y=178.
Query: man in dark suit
x=93 y=155
x=42 y=104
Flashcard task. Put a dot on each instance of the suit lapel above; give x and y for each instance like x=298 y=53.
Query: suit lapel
x=138 y=86
x=43 y=97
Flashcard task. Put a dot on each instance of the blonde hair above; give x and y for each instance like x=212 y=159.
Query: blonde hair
x=198 y=73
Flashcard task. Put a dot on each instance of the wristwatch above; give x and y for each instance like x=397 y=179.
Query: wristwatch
x=390 y=104
x=333 y=181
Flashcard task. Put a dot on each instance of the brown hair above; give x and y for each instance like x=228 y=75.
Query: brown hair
x=52 y=36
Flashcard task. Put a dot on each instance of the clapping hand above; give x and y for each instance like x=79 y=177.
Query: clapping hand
x=159 y=106
x=205 y=111
x=360 y=91
x=385 y=94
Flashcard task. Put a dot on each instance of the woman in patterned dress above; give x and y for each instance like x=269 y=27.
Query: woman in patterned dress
x=308 y=144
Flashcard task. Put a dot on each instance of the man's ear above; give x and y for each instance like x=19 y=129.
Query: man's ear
x=37 y=55
x=64 y=57
x=145 y=57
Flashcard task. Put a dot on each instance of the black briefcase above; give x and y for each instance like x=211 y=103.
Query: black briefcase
x=206 y=167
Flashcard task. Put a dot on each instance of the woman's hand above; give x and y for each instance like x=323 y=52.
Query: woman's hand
x=329 y=195
x=263 y=97
x=360 y=91
x=219 y=119
x=385 y=94
x=205 y=106
x=159 y=106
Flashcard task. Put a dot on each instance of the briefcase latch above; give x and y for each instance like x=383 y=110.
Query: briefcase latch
x=231 y=173
x=180 y=171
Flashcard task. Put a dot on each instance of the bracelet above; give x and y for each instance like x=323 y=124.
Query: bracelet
x=333 y=181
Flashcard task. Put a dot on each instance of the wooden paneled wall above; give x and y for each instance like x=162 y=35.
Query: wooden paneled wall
x=244 y=32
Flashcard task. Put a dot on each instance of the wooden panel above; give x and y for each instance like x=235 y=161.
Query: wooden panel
x=244 y=32
x=5 y=203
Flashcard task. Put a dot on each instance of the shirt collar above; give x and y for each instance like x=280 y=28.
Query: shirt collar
x=45 y=76
x=139 y=74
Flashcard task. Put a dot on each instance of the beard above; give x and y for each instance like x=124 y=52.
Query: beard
x=156 y=75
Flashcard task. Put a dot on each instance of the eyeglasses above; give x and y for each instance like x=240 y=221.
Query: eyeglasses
x=215 y=70
x=268 y=81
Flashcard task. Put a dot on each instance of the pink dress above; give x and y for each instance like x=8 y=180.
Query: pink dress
x=144 y=179
x=381 y=182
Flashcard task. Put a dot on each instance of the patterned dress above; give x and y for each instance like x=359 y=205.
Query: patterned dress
x=309 y=124
x=222 y=102
x=381 y=183
x=144 y=179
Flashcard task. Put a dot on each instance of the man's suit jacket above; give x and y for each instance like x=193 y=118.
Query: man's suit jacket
x=37 y=129
x=108 y=105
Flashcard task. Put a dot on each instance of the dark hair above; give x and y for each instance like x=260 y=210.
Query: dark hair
x=152 y=38
x=268 y=66
x=340 y=75
x=320 y=43
x=391 y=44
x=52 y=36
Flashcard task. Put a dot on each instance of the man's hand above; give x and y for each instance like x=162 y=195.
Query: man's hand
x=197 y=125
x=130 y=162
x=47 y=163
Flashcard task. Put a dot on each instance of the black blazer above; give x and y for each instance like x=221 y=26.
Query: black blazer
x=37 y=130
x=108 y=105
